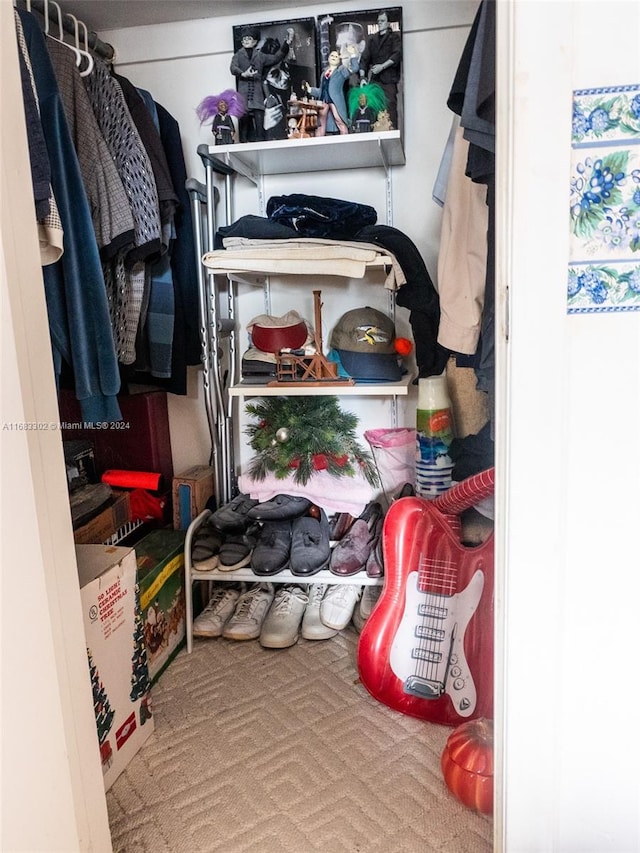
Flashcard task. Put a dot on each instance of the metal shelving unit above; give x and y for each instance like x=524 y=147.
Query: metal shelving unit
x=217 y=304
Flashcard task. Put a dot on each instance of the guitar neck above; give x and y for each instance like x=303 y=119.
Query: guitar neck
x=466 y=494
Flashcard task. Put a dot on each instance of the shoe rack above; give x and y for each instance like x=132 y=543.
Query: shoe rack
x=247 y=574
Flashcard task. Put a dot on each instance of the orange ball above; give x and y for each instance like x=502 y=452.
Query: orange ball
x=403 y=346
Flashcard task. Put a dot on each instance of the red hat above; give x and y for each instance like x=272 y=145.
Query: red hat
x=272 y=334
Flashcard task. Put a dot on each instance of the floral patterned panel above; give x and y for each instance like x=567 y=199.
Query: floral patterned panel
x=604 y=265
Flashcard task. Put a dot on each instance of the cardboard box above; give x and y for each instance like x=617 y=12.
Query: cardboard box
x=116 y=653
x=106 y=523
x=191 y=491
x=160 y=562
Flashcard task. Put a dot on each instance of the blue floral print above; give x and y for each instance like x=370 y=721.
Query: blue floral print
x=604 y=201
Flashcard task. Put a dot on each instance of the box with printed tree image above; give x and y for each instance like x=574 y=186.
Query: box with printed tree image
x=116 y=654
x=160 y=562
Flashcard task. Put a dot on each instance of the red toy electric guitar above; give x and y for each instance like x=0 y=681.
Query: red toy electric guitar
x=426 y=650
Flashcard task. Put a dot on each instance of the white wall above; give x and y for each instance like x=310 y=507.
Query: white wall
x=182 y=63
x=568 y=439
x=52 y=787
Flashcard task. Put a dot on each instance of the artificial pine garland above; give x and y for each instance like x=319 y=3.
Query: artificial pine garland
x=302 y=435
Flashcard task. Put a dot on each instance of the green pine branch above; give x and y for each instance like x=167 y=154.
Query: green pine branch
x=316 y=428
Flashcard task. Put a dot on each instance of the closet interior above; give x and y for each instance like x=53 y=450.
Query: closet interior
x=273 y=347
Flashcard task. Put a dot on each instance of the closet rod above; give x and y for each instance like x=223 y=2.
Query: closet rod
x=102 y=49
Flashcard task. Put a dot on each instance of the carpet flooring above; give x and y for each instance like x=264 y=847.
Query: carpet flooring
x=284 y=751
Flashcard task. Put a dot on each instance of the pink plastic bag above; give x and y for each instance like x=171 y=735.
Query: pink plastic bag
x=394 y=452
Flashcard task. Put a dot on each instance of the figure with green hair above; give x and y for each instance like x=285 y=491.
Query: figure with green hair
x=364 y=105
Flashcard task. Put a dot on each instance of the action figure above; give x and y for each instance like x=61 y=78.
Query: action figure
x=249 y=66
x=333 y=113
x=364 y=105
x=277 y=90
x=347 y=34
x=222 y=107
x=380 y=63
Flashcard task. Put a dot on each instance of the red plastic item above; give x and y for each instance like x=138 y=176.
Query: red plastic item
x=120 y=479
x=145 y=506
x=467 y=764
x=427 y=648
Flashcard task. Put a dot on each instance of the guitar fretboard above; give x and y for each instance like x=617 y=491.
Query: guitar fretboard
x=439 y=577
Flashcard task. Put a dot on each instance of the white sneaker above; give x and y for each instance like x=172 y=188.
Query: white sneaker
x=251 y=609
x=281 y=628
x=220 y=607
x=370 y=595
x=338 y=604
x=313 y=628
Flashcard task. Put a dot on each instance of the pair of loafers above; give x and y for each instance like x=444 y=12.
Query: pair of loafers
x=226 y=552
x=227 y=539
x=280 y=508
x=236 y=515
x=301 y=545
x=360 y=548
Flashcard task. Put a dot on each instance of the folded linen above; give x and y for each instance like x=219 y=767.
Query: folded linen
x=305 y=256
x=332 y=494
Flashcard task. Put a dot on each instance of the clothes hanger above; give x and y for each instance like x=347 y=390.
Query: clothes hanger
x=83 y=53
x=60 y=39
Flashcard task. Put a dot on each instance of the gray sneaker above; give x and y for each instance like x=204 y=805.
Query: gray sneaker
x=281 y=628
x=251 y=609
x=220 y=607
x=313 y=628
x=362 y=611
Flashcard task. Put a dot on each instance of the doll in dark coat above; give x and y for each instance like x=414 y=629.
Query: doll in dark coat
x=249 y=66
x=223 y=107
x=381 y=62
x=222 y=125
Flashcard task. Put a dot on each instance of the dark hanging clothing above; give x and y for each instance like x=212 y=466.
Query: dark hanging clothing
x=472 y=97
x=108 y=202
x=150 y=138
x=418 y=294
x=38 y=157
x=186 y=346
x=74 y=286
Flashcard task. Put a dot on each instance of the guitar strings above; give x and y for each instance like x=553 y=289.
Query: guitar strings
x=437 y=580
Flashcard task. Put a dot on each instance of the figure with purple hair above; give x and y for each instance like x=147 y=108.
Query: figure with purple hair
x=222 y=107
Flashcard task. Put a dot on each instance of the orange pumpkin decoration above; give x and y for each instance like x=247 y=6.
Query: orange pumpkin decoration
x=467 y=764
